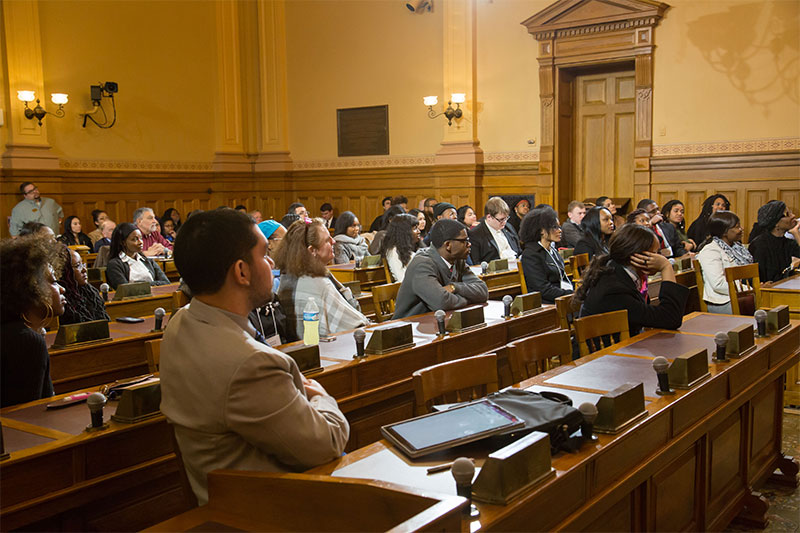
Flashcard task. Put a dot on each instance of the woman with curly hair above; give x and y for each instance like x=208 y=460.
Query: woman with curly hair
x=716 y=202
x=618 y=280
x=72 y=233
x=31 y=298
x=302 y=258
x=401 y=241
x=84 y=302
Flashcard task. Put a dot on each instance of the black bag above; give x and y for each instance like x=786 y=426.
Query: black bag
x=548 y=412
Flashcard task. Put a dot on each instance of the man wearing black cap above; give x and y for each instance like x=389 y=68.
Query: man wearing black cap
x=438 y=277
x=442 y=210
x=776 y=255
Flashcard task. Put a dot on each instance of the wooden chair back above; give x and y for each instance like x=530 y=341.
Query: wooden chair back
x=83 y=251
x=698 y=276
x=535 y=354
x=744 y=286
x=179 y=299
x=591 y=329
x=454 y=381
x=383 y=297
x=152 y=350
x=578 y=263
x=387 y=272
x=566 y=315
x=522 y=285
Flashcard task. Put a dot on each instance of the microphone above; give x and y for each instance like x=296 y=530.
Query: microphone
x=507 y=299
x=589 y=412
x=159 y=312
x=721 y=340
x=359 y=335
x=104 y=289
x=761 y=322
x=484 y=267
x=439 y=316
x=660 y=365
x=96 y=401
x=463 y=471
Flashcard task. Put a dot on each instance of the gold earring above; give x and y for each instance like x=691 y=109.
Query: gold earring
x=50 y=314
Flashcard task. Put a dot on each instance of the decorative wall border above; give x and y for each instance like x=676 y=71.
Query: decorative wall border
x=372 y=162
x=728 y=147
x=174 y=166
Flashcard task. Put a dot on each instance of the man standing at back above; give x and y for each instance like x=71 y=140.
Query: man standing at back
x=235 y=402
x=438 y=277
x=34 y=208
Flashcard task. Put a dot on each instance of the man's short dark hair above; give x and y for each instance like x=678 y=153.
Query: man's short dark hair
x=294 y=206
x=326 y=207
x=444 y=230
x=30 y=228
x=209 y=244
x=644 y=204
x=397 y=200
x=96 y=213
x=22 y=187
x=241 y=207
x=385 y=198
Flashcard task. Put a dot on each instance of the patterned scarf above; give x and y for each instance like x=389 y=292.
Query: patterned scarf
x=737 y=252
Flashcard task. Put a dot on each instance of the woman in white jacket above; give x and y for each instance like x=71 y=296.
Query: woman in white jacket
x=721 y=249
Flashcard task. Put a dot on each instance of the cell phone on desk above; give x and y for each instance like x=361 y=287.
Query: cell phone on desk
x=129 y=319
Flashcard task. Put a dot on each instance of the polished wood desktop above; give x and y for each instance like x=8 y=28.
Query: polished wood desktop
x=691 y=464
x=161 y=296
x=786 y=292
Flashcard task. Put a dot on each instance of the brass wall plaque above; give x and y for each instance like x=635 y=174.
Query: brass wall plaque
x=740 y=340
x=363 y=130
x=132 y=290
x=371 y=261
x=139 y=402
x=498 y=265
x=81 y=333
x=620 y=407
x=777 y=318
x=688 y=369
x=466 y=319
x=512 y=470
x=390 y=338
x=306 y=357
x=526 y=303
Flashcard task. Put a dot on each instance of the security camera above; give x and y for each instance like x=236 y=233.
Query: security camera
x=110 y=87
x=419 y=6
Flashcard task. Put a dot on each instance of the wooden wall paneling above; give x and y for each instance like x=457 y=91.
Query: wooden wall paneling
x=666 y=510
x=764 y=425
x=790 y=196
x=620 y=516
x=725 y=460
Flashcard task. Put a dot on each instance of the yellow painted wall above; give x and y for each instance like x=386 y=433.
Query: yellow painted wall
x=361 y=53
x=727 y=70
x=162 y=54
x=508 y=76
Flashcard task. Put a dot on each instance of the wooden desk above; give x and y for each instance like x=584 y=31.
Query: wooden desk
x=139 y=307
x=368 y=276
x=60 y=477
x=377 y=390
x=87 y=365
x=691 y=464
x=168 y=266
x=786 y=292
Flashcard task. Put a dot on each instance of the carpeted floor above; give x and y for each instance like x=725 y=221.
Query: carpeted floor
x=784 y=503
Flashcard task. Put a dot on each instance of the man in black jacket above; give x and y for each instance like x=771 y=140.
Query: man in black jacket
x=494 y=238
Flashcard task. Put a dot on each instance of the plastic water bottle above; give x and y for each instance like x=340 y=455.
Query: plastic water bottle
x=311 y=323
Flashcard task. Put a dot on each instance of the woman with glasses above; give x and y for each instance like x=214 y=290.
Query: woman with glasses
x=349 y=244
x=721 y=249
x=598 y=226
x=302 y=258
x=401 y=242
x=541 y=264
x=84 y=302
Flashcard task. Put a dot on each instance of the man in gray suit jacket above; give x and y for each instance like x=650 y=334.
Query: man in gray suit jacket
x=235 y=402
x=438 y=277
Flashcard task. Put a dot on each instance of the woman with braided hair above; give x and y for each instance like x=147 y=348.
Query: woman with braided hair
x=84 y=302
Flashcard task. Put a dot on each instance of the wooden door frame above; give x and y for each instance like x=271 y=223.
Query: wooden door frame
x=583 y=33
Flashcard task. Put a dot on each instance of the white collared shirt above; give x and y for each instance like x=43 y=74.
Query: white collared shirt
x=506 y=252
x=139 y=271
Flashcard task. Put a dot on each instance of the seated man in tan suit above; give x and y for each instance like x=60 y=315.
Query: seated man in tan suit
x=235 y=402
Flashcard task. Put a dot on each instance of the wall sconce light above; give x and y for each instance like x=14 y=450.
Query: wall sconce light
x=449 y=112
x=38 y=112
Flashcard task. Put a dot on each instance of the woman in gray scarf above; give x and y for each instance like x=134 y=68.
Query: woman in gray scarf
x=349 y=244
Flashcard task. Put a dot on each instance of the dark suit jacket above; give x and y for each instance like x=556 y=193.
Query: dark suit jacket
x=541 y=272
x=615 y=290
x=571 y=233
x=118 y=272
x=588 y=245
x=484 y=247
x=674 y=241
x=423 y=290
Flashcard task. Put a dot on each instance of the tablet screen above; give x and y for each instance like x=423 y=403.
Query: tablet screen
x=453 y=427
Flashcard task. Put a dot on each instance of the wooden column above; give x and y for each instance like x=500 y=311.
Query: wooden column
x=27 y=146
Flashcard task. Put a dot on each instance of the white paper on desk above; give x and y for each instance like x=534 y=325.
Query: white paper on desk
x=389 y=465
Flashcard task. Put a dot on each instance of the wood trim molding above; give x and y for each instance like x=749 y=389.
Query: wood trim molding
x=135 y=166
x=728 y=147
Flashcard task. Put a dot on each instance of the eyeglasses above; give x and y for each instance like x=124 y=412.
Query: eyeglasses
x=460 y=240
x=500 y=220
x=30 y=191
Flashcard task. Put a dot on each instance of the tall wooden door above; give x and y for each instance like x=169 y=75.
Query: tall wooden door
x=605 y=106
